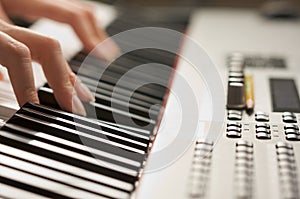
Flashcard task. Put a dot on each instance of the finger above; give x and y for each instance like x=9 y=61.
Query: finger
x=109 y=49
x=82 y=90
x=47 y=52
x=79 y=17
x=1 y=76
x=15 y=56
x=3 y=15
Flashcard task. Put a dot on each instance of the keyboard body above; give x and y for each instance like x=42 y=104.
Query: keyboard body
x=216 y=174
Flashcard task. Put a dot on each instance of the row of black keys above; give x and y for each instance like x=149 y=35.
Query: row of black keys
x=137 y=101
x=112 y=156
x=135 y=107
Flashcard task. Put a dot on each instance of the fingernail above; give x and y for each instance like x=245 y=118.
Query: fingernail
x=84 y=93
x=77 y=107
x=108 y=50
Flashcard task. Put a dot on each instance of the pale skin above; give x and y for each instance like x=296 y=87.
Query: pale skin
x=20 y=46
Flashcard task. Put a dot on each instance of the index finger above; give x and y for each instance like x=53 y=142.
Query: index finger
x=15 y=56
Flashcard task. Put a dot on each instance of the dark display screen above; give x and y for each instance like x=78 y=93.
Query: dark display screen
x=285 y=96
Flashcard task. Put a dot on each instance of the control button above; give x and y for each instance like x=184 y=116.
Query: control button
x=200 y=168
x=284 y=145
x=286 y=168
x=236 y=74
x=261 y=117
x=236 y=124
x=244 y=170
x=237 y=64
x=288 y=114
x=234 y=115
x=289 y=119
x=244 y=149
x=203 y=147
x=244 y=143
x=263 y=130
x=292 y=137
x=236 y=68
x=291 y=126
x=236 y=79
x=234 y=128
x=291 y=131
x=263 y=136
x=236 y=56
x=204 y=142
x=286 y=158
x=202 y=154
x=242 y=177
x=285 y=151
x=243 y=163
x=233 y=134
x=263 y=125
x=245 y=156
x=235 y=112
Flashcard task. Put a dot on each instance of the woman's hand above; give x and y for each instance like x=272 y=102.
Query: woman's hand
x=75 y=13
x=20 y=46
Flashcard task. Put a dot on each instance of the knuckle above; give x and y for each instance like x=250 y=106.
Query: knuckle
x=19 y=50
x=51 y=44
x=85 y=13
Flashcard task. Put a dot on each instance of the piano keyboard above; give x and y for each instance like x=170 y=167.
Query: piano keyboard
x=48 y=153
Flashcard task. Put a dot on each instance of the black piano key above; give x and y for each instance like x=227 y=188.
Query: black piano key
x=47 y=98
x=104 y=113
x=120 y=91
x=78 y=133
x=90 y=129
x=92 y=67
x=131 y=129
x=106 y=126
x=85 y=128
x=26 y=144
x=131 y=100
x=66 y=145
x=119 y=68
x=85 y=121
x=52 y=178
x=78 y=137
x=109 y=114
x=109 y=77
x=126 y=106
x=124 y=65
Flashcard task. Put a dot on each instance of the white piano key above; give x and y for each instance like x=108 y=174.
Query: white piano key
x=58 y=176
x=47 y=162
x=86 y=148
x=45 y=184
x=7 y=191
x=82 y=157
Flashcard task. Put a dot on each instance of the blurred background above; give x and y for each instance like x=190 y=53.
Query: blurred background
x=227 y=3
